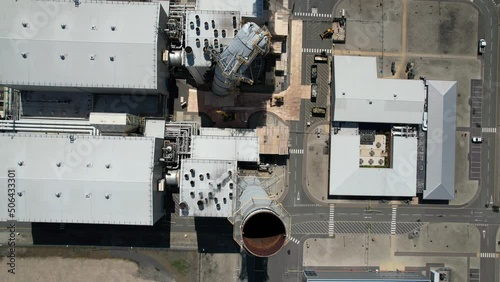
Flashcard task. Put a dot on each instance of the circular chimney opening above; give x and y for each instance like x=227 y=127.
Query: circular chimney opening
x=263 y=233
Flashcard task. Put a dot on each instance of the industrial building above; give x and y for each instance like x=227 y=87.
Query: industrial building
x=68 y=178
x=334 y=276
x=90 y=46
x=379 y=126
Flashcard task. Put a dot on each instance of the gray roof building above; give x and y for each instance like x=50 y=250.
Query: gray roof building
x=82 y=178
x=440 y=171
x=362 y=97
x=355 y=276
x=93 y=46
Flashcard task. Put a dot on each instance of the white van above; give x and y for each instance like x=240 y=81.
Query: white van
x=424 y=122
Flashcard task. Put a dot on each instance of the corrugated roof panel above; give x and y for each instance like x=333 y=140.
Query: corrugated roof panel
x=440 y=169
x=92 y=45
x=86 y=179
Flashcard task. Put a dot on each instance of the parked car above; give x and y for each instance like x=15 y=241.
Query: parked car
x=314 y=92
x=477 y=139
x=314 y=73
x=424 y=121
x=481 y=46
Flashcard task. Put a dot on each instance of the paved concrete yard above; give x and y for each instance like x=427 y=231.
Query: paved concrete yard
x=442 y=27
x=465 y=189
x=317 y=162
x=380 y=250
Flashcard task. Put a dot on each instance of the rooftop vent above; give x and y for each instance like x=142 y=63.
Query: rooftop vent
x=107 y=196
x=63 y=26
x=113 y=28
x=200 y=205
x=24 y=55
x=25 y=25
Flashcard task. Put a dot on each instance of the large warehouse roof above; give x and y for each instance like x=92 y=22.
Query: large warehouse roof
x=82 y=179
x=96 y=45
x=362 y=97
x=347 y=178
x=440 y=171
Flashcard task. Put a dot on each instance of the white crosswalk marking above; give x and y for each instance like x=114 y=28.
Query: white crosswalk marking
x=331 y=222
x=488 y=255
x=316 y=15
x=316 y=50
x=393 y=221
x=296 y=241
x=296 y=151
x=489 y=130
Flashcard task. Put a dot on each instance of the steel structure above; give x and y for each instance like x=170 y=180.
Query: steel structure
x=250 y=42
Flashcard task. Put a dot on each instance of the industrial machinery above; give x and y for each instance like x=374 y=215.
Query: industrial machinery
x=248 y=43
x=261 y=225
x=327 y=34
x=279 y=101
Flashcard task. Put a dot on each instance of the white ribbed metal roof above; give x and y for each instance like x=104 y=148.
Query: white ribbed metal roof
x=90 y=179
x=362 y=97
x=440 y=170
x=97 y=44
x=247 y=8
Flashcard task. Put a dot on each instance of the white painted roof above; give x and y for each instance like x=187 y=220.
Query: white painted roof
x=440 y=169
x=207 y=175
x=242 y=149
x=347 y=178
x=247 y=8
x=53 y=164
x=214 y=131
x=362 y=97
x=87 y=33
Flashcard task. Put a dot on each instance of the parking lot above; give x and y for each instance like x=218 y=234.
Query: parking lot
x=476 y=103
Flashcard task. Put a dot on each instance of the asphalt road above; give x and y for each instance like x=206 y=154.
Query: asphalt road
x=286 y=266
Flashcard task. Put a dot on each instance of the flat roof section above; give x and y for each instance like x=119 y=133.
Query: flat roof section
x=82 y=178
x=94 y=45
x=247 y=8
x=347 y=178
x=362 y=97
x=440 y=169
x=207 y=187
x=242 y=149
